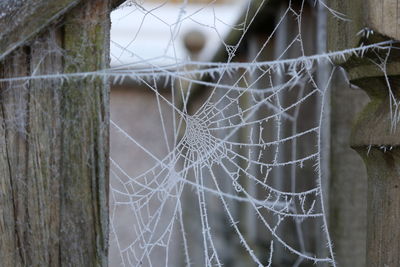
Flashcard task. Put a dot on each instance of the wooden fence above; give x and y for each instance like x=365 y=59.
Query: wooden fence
x=54 y=135
x=376 y=133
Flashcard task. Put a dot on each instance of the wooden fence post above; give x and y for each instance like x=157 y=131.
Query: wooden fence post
x=54 y=134
x=376 y=134
x=376 y=137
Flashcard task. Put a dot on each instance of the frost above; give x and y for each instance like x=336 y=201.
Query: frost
x=240 y=147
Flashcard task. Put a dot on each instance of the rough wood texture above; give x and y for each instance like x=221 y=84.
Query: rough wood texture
x=23 y=20
x=30 y=176
x=14 y=204
x=375 y=135
x=84 y=157
x=54 y=146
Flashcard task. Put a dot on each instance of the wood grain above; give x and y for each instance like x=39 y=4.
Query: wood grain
x=23 y=20
x=85 y=126
x=54 y=145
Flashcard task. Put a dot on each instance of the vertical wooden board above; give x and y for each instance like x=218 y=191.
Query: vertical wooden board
x=55 y=138
x=374 y=12
x=342 y=34
x=84 y=162
x=7 y=223
x=43 y=153
x=398 y=18
x=380 y=15
x=383 y=17
x=8 y=242
x=389 y=17
x=383 y=244
x=13 y=104
x=29 y=187
x=378 y=145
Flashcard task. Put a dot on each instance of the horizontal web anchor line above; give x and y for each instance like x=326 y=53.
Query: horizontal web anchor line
x=137 y=72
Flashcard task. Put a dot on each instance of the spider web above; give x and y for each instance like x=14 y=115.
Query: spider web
x=234 y=156
x=240 y=179
x=229 y=168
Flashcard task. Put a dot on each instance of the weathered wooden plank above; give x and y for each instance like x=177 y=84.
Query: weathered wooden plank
x=13 y=158
x=23 y=20
x=342 y=34
x=43 y=145
x=375 y=135
x=54 y=146
x=376 y=138
x=85 y=125
x=383 y=233
x=28 y=119
x=29 y=149
x=383 y=16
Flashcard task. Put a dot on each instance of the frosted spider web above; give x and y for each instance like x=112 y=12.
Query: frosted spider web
x=240 y=178
x=229 y=167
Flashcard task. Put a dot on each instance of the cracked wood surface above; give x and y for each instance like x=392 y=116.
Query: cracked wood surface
x=21 y=21
x=54 y=145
